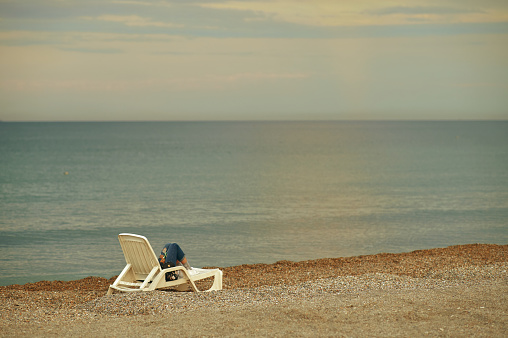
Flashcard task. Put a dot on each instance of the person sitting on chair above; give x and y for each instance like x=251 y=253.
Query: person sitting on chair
x=172 y=255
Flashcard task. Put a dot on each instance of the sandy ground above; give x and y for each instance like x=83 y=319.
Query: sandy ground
x=456 y=291
x=460 y=312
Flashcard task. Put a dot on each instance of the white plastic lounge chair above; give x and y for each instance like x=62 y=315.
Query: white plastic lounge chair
x=143 y=272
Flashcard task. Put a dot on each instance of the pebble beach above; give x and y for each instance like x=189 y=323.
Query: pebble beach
x=455 y=291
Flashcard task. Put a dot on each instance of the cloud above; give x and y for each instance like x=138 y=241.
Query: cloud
x=478 y=85
x=86 y=41
x=365 y=13
x=434 y=14
x=189 y=83
x=420 y=10
x=256 y=19
x=265 y=76
x=139 y=3
x=93 y=50
x=133 y=21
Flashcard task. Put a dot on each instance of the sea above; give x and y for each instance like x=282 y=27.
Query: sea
x=234 y=193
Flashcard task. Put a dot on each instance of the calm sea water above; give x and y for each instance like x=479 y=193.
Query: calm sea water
x=244 y=192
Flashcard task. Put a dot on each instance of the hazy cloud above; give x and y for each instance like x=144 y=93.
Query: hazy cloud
x=421 y=10
x=133 y=21
x=358 y=13
x=174 y=84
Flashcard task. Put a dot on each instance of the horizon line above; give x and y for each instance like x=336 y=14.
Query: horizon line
x=253 y=120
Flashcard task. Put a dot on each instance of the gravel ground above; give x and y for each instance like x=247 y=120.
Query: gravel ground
x=178 y=302
x=455 y=291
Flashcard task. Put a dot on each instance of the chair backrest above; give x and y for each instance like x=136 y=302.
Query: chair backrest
x=139 y=253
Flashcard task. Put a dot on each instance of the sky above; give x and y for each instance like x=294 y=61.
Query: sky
x=109 y=60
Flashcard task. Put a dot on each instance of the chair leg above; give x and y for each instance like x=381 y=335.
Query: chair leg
x=217 y=281
x=150 y=277
x=125 y=274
